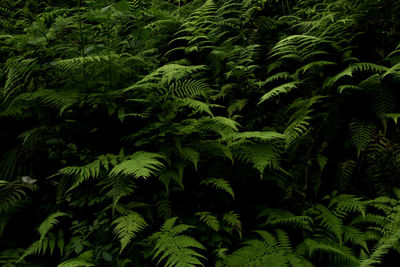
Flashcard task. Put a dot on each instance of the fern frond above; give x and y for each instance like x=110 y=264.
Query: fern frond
x=384 y=101
x=126 y=228
x=190 y=154
x=49 y=223
x=18 y=71
x=262 y=136
x=281 y=89
x=349 y=71
x=260 y=156
x=344 y=173
x=84 y=173
x=384 y=246
x=13 y=192
x=277 y=76
x=310 y=247
x=171 y=72
x=46 y=239
x=330 y=221
x=76 y=64
x=219 y=183
x=314 y=65
x=237 y=105
x=174 y=248
x=361 y=134
x=209 y=219
x=232 y=219
x=285 y=218
x=197 y=105
x=348 y=87
x=140 y=164
x=187 y=88
x=83 y=260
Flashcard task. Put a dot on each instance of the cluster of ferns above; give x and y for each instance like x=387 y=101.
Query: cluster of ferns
x=186 y=133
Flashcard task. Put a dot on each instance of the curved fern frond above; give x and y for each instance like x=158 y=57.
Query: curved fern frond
x=209 y=219
x=13 y=192
x=262 y=136
x=47 y=239
x=49 y=223
x=187 y=88
x=139 y=165
x=360 y=67
x=83 y=260
x=345 y=172
x=171 y=72
x=197 y=105
x=282 y=218
x=126 y=228
x=281 y=89
x=219 y=183
x=361 y=134
x=339 y=253
x=330 y=221
x=174 y=248
x=260 y=156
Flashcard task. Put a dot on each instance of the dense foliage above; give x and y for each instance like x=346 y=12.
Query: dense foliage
x=199 y=133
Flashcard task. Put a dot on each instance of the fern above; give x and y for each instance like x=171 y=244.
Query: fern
x=277 y=76
x=361 y=134
x=355 y=67
x=209 y=219
x=47 y=239
x=219 y=183
x=299 y=121
x=187 y=88
x=83 y=260
x=281 y=89
x=270 y=251
x=19 y=73
x=330 y=221
x=383 y=102
x=170 y=72
x=262 y=136
x=141 y=164
x=260 y=156
x=126 y=227
x=338 y=253
x=345 y=172
x=280 y=218
x=197 y=105
x=174 y=247
x=232 y=220
x=13 y=192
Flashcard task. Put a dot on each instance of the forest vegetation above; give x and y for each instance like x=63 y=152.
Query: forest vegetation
x=248 y=133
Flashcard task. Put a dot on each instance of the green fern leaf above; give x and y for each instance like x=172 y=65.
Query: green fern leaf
x=126 y=228
x=361 y=134
x=219 y=183
x=196 y=105
x=174 y=248
x=49 y=223
x=12 y=192
x=330 y=221
x=209 y=219
x=281 y=89
x=83 y=260
x=260 y=156
x=344 y=173
x=141 y=164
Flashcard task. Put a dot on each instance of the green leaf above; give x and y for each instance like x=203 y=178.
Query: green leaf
x=139 y=165
x=106 y=256
x=219 y=183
